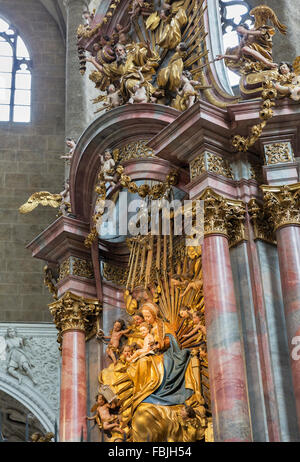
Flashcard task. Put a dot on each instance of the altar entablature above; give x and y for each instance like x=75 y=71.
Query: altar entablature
x=61 y=246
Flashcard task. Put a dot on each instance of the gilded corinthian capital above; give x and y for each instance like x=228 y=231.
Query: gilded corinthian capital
x=223 y=216
x=282 y=204
x=73 y=312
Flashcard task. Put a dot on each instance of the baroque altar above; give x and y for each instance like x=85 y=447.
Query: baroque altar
x=164 y=341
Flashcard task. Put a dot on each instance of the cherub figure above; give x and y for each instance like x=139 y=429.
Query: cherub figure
x=198 y=327
x=193 y=428
x=288 y=82
x=148 y=344
x=107 y=166
x=185 y=313
x=88 y=18
x=187 y=90
x=122 y=32
x=119 y=330
x=71 y=143
x=203 y=353
x=65 y=205
x=139 y=7
x=104 y=418
x=139 y=94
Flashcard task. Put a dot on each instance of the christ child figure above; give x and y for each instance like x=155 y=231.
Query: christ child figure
x=103 y=415
x=145 y=330
x=113 y=348
x=107 y=164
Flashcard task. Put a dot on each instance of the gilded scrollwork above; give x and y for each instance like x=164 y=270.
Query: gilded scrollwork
x=135 y=150
x=115 y=274
x=74 y=312
x=277 y=153
x=282 y=205
x=76 y=267
x=208 y=162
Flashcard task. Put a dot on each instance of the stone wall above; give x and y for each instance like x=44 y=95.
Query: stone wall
x=29 y=162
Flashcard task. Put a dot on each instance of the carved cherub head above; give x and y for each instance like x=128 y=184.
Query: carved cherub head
x=285 y=68
x=107 y=154
x=111 y=88
x=119 y=324
x=100 y=399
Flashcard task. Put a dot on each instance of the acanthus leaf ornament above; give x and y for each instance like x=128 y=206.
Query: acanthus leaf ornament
x=282 y=204
x=224 y=216
x=72 y=312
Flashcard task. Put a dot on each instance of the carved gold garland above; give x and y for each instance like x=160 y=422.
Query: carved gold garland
x=269 y=93
x=155 y=192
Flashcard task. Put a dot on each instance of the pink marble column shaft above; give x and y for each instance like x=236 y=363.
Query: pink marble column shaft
x=288 y=242
x=73 y=387
x=227 y=374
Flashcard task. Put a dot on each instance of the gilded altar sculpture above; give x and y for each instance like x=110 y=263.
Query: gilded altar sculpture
x=155 y=385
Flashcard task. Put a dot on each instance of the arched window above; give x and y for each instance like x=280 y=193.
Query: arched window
x=233 y=13
x=15 y=76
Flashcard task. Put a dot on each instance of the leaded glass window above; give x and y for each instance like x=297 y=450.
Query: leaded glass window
x=15 y=76
x=233 y=13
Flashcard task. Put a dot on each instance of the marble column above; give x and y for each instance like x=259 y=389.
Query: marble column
x=227 y=375
x=282 y=207
x=73 y=315
x=73 y=393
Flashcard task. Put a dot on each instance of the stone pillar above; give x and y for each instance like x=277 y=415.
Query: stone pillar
x=282 y=209
x=75 y=82
x=228 y=383
x=73 y=316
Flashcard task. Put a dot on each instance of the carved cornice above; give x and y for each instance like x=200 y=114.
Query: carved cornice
x=72 y=312
x=224 y=216
x=278 y=153
x=208 y=162
x=262 y=228
x=282 y=205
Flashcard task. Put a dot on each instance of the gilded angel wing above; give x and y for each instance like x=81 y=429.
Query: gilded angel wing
x=44 y=198
x=264 y=13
